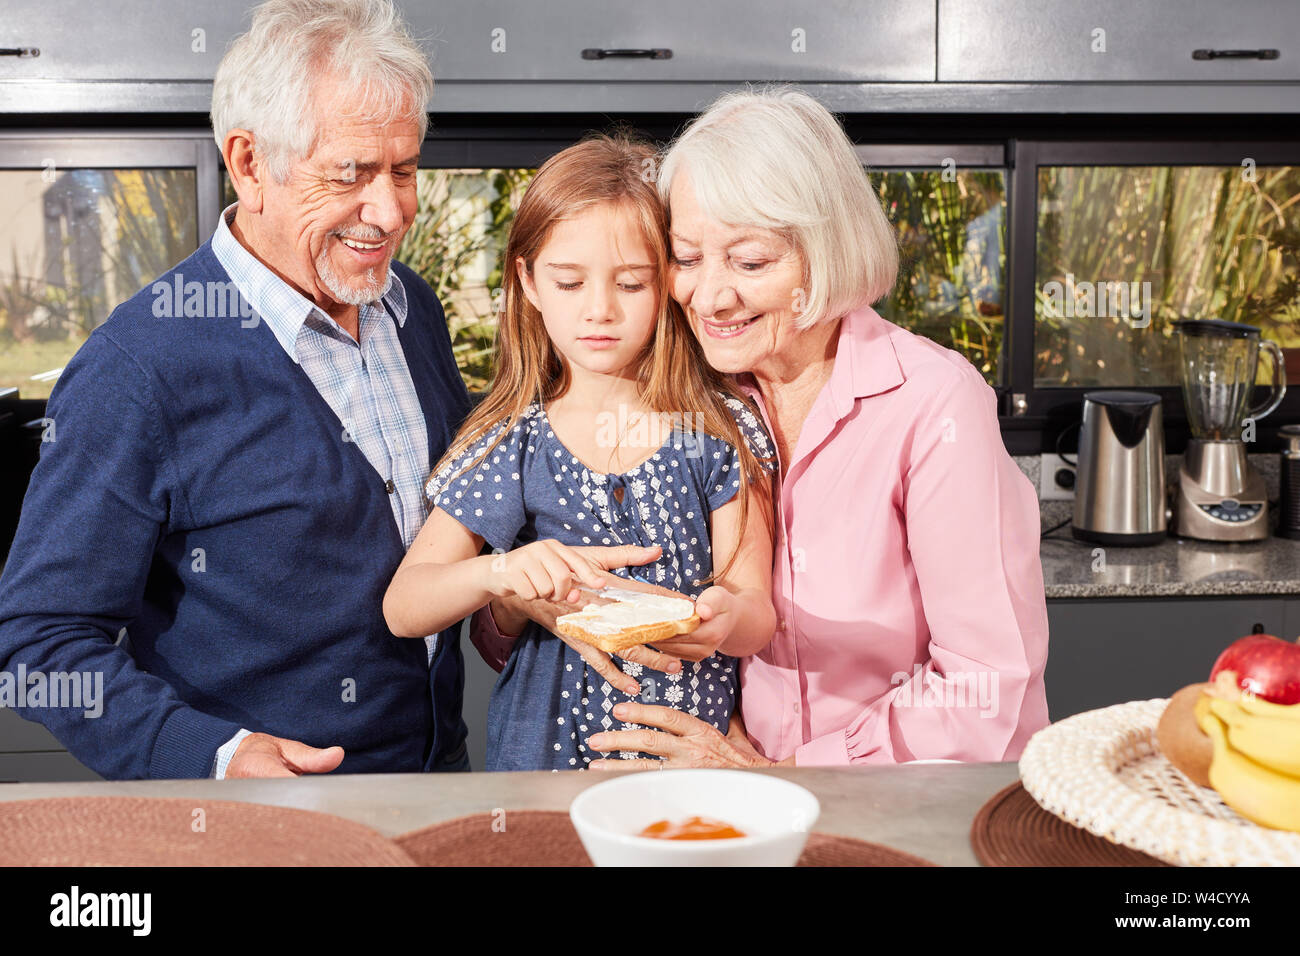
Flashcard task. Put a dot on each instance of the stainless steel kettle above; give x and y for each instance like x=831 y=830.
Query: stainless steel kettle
x=1119 y=492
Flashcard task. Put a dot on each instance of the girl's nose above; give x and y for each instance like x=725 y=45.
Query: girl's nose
x=598 y=305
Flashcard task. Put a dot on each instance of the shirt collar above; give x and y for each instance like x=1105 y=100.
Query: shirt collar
x=281 y=306
x=865 y=361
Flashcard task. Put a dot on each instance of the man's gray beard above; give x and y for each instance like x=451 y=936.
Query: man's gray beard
x=341 y=291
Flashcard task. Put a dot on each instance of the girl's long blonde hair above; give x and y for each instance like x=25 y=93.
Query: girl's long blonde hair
x=671 y=373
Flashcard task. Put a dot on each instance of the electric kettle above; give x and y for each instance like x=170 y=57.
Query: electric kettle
x=1119 y=492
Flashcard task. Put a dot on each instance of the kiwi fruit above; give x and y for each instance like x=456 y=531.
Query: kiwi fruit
x=1184 y=743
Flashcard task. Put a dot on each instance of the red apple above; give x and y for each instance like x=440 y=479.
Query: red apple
x=1265 y=666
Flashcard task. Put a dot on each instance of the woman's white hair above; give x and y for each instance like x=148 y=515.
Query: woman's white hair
x=265 y=81
x=777 y=159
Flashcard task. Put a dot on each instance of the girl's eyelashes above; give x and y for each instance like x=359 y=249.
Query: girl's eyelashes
x=567 y=286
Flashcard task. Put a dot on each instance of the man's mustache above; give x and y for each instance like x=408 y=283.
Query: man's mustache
x=362 y=238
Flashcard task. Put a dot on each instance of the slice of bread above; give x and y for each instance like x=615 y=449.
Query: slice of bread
x=635 y=618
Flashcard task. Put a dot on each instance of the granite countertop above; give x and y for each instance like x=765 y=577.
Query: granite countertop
x=923 y=809
x=1177 y=567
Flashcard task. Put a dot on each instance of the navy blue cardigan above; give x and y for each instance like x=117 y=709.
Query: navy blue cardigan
x=197 y=491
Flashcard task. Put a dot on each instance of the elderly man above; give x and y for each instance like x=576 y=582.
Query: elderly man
x=233 y=490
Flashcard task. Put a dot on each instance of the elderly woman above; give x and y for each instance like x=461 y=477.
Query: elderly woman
x=911 y=616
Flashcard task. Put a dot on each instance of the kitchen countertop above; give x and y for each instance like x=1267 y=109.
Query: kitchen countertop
x=923 y=809
x=1177 y=567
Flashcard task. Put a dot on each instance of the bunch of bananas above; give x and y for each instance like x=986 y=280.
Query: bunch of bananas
x=1256 y=763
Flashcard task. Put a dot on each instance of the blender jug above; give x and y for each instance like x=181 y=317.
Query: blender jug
x=1219 y=361
x=1220 y=497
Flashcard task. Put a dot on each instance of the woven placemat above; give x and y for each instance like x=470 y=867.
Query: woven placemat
x=1013 y=830
x=155 y=831
x=547 y=838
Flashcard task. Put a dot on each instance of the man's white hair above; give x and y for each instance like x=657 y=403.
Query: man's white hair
x=777 y=159
x=266 y=79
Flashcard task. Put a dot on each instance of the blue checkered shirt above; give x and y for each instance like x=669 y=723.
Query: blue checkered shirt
x=366 y=383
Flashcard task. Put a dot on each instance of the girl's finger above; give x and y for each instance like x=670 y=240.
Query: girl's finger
x=559 y=577
x=527 y=577
x=583 y=568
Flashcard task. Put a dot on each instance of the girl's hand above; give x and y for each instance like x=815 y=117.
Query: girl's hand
x=545 y=611
x=716 y=607
x=545 y=570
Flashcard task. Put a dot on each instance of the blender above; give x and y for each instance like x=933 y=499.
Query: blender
x=1220 y=497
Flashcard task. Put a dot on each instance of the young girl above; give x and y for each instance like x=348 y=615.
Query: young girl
x=603 y=427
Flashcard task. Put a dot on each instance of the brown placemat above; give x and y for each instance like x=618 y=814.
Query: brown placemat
x=547 y=838
x=1013 y=830
x=156 y=831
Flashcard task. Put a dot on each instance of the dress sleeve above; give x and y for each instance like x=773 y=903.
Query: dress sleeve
x=724 y=461
x=487 y=497
x=972 y=533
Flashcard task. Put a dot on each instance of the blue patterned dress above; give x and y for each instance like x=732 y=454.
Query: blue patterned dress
x=547 y=702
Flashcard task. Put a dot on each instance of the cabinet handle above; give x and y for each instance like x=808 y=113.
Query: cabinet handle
x=1257 y=629
x=1234 y=54
x=592 y=53
x=24 y=51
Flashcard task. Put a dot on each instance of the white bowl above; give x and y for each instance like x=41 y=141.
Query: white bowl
x=775 y=815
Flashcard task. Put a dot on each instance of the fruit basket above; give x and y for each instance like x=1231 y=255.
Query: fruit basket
x=1102 y=771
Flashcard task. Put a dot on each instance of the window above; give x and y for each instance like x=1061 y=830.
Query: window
x=456 y=244
x=1123 y=251
x=951 y=226
x=86 y=223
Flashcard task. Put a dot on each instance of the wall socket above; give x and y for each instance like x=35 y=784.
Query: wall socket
x=1050 y=488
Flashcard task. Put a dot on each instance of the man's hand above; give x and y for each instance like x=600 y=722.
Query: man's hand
x=261 y=755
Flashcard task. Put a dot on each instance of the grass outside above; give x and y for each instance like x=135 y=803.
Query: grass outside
x=19 y=361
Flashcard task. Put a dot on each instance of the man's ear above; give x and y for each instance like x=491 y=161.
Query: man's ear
x=526 y=280
x=244 y=167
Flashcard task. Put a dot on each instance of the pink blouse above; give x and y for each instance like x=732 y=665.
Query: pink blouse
x=911 y=619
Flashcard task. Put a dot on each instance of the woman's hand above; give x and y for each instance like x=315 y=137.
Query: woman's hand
x=716 y=607
x=682 y=740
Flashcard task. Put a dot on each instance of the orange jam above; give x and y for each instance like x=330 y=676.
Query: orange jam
x=694 y=828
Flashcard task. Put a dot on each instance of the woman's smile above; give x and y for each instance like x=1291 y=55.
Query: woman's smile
x=728 y=329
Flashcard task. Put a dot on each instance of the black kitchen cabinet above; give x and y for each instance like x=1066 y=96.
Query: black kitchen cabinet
x=1104 y=652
